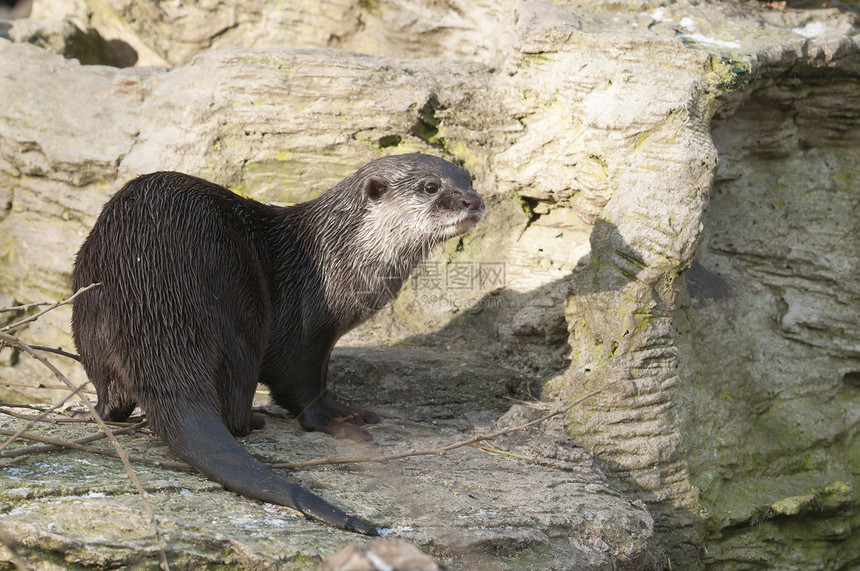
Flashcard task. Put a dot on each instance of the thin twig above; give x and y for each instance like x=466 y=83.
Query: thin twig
x=56 y=351
x=528 y=403
x=44 y=414
x=53 y=306
x=20 y=345
x=38 y=407
x=497 y=451
x=42 y=386
x=34 y=417
x=61 y=444
x=6 y=406
x=24 y=307
x=58 y=420
x=441 y=451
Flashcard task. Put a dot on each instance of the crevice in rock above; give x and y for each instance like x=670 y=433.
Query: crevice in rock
x=851 y=381
x=72 y=42
x=530 y=206
x=426 y=126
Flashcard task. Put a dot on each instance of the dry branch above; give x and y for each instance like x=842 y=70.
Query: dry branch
x=56 y=444
x=444 y=449
x=54 y=420
x=41 y=386
x=56 y=351
x=53 y=306
x=25 y=307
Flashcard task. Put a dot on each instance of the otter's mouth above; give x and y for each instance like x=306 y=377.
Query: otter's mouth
x=463 y=223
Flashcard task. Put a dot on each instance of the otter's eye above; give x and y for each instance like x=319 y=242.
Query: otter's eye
x=431 y=188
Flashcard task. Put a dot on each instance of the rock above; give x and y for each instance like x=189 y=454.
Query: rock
x=175 y=33
x=532 y=496
x=393 y=554
x=65 y=38
x=672 y=208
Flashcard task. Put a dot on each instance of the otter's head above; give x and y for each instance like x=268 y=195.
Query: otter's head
x=421 y=198
x=381 y=221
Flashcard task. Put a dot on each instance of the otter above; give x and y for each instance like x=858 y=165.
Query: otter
x=205 y=293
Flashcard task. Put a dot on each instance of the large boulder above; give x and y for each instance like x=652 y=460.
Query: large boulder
x=672 y=215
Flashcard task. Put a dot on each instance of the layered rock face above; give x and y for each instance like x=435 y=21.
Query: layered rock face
x=673 y=206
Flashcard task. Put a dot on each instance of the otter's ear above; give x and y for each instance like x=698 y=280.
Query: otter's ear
x=374 y=188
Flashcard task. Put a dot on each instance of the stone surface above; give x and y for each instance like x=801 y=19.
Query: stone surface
x=673 y=205
x=381 y=553
x=539 y=498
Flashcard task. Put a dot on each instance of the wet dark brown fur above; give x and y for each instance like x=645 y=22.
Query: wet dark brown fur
x=205 y=293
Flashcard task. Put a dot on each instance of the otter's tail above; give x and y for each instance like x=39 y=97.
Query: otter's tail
x=201 y=439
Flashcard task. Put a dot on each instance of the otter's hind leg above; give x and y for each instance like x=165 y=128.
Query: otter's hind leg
x=114 y=403
x=237 y=384
x=115 y=412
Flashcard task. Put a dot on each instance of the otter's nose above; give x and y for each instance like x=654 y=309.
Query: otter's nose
x=473 y=202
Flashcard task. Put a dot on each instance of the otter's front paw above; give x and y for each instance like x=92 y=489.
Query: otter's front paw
x=356 y=416
x=338 y=420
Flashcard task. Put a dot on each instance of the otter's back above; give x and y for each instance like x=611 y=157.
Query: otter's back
x=180 y=279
